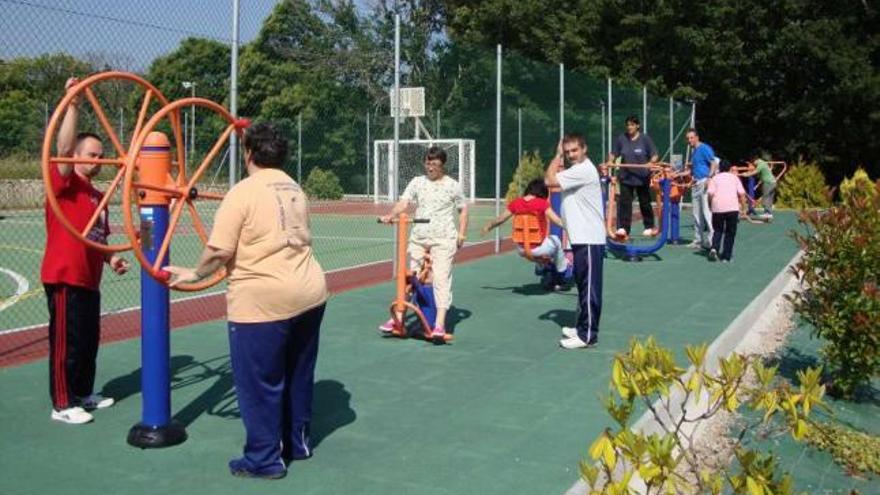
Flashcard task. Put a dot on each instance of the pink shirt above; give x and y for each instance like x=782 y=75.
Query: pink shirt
x=724 y=191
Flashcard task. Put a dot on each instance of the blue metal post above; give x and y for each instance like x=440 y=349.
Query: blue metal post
x=750 y=191
x=156 y=428
x=155 y=325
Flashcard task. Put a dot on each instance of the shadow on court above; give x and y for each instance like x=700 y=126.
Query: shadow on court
x=331 y=407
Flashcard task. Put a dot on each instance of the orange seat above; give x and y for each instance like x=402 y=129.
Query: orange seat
x=527 y=232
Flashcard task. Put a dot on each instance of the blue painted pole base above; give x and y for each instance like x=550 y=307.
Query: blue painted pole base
x=156 y=437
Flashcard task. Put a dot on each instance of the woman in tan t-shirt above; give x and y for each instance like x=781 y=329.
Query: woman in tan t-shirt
x=275 y=304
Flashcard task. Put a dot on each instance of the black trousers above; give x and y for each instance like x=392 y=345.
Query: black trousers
x=625 y=206
x=74 y=334
x=724 y=225
x=588 y=262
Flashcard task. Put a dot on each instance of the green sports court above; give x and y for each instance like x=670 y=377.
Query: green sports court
x=502 y=409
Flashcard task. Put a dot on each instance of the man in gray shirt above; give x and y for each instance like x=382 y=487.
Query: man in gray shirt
x=634 y=147
x=584 y=217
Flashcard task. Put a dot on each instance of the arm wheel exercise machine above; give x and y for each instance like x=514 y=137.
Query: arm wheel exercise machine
x=155 y=178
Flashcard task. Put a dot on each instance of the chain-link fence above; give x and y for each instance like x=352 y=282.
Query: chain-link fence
x=322 y=71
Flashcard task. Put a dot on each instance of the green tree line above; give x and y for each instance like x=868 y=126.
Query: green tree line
x=795 y=78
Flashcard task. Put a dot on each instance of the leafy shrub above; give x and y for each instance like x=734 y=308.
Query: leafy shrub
x=529 y=168
x=859 y=452
x=321 y=184
x=678 y=400
x=859 y=184
x=839 y=274
x=804 y=186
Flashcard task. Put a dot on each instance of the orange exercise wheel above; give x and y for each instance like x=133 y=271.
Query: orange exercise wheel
x=181 y=188
x=122 y=87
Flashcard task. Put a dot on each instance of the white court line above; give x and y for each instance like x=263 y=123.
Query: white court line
x=337 y=238
x=208 y=294
x=182 y=299
x=23 y=287
x=21 y=222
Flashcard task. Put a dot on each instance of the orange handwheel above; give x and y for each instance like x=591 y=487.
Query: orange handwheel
x=175 y=188
x=107 y=132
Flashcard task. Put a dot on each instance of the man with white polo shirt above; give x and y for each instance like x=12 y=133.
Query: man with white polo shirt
x=584 y=217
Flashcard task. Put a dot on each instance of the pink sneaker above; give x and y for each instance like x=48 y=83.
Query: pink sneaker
x=388 y=326
x=438 y=335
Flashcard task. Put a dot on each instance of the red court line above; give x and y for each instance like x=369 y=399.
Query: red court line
x=33 y=344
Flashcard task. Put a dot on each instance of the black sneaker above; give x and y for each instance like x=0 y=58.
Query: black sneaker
x=238 y=469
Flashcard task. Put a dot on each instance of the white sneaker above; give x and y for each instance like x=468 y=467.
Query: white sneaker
x=72 y=416
x=650 y=232
x=570 y=332
x=95 y=401
x=695 y=244
x=573 y=343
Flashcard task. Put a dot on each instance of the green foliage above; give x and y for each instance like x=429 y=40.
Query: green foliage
x=20 y=166
x=647 y=374
x=28 y=88
x=529 y=169
x=740 y=59
x=859 y=184
x=839 y=274
x=322 y=184
x=856 y=450
x=202 y=61
x=803 y=186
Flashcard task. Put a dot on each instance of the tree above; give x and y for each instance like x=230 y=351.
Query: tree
x=29 y=87
x=202 y=61
x=785 y=77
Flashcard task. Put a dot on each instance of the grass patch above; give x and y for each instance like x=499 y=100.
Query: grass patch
x=20 y=167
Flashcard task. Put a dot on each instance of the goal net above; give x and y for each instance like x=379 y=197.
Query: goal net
x=459 y=165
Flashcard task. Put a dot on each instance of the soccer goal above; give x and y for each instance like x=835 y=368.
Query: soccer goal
x=460 y=163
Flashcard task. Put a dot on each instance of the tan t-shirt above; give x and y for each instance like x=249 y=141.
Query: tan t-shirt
x=273 y=274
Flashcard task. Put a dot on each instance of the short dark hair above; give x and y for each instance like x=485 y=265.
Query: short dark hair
x=575 y=137
x=537 y=188
x=724 y=165
x=690 y=130
x=267 y=146
x=82 y=136
x=436 y=153
x=633 y=119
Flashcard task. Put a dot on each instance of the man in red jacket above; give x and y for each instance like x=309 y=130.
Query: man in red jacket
x=71 y=275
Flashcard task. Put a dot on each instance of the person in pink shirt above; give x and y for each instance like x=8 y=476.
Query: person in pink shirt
x=727 y=199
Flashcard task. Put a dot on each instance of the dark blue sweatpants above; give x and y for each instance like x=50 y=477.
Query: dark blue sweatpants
x=588 y=261
x=273 y=366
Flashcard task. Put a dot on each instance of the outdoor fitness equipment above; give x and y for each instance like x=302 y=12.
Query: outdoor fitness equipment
x=86 y=88
x=662 y=176
x=151 y=188
x=679 y=183
x=414 y=289
x=526 y=232
x=752 y=189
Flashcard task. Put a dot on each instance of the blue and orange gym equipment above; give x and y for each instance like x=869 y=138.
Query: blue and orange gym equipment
x=155 y=184
x=414 y=290
x=662 y=184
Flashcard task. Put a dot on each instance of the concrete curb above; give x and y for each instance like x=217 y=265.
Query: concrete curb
x=737 y=333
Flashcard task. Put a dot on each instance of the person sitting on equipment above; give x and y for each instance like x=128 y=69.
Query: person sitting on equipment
x=438 y=197
x=534 y=202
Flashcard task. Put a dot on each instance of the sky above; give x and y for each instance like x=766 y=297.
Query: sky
x=128 y=33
